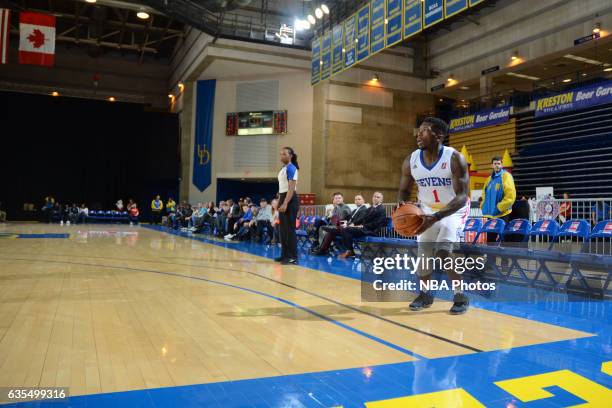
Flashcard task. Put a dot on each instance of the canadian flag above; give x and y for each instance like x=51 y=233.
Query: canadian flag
x=36 y=39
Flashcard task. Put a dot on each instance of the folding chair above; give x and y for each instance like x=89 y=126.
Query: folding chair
x=473 y=226
x=495 y=226
x=520 y=227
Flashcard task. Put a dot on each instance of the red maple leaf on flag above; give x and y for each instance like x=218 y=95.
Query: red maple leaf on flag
x=37 y=38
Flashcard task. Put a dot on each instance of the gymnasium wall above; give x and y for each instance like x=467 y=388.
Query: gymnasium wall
x=257 y=157
x=361 y=135
x=486 y=142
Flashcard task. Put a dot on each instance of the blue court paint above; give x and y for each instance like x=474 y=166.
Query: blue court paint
x=42 y=236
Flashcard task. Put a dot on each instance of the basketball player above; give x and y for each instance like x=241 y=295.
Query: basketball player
x=442 y=179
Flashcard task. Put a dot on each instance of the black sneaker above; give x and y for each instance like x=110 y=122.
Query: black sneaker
x=279 y=259
x=423 y=301
x=460 y=304
x=290 y=261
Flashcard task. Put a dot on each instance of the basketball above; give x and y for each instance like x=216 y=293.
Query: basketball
x=407 y=219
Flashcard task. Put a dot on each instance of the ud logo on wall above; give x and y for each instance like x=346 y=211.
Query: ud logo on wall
x=202 y=154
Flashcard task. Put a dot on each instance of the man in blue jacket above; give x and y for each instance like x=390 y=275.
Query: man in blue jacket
x=499 y=194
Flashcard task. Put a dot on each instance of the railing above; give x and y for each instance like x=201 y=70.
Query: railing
x=560 y=210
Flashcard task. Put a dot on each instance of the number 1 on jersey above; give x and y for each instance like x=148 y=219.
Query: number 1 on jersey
x=436 y=198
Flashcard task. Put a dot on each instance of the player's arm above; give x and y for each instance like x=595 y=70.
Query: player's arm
x=406 y=182
x=461 y=181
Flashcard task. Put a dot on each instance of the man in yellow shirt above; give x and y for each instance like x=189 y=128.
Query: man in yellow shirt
x=499 y=194
x=157 y=206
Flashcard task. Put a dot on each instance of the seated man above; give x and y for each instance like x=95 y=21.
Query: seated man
x=263 y=220
x=374 y=221
x=356 y=218
x=339 y=212
x=133 y=214
x=221 y=219
x=247 y=216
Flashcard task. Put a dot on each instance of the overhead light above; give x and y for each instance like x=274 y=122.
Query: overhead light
x=450 y=78
x=311 y=19
x=343 y=50
x=111 y=99
x=597 y=28
x=181 y=86
x=514 y=74
x=375 y=78
x=566 y=80
x=325 y=8
x=582 y=59
x=319 y=12
x=514 y=56
x=305 y=24
x=441 y=100
x=464 y=88
x=54 y=93
x=609 y=69
x=90 y=1
x=170 y=96
x=143 y=15
x=584 y=74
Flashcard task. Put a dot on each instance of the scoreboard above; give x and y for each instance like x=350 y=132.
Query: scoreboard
x=256 y=123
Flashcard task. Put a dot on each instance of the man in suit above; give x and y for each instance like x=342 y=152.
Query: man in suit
x=356 y=218
x=338 y=213
x=374 y=220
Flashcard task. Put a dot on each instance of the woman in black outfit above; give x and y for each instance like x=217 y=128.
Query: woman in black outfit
x=288 y=205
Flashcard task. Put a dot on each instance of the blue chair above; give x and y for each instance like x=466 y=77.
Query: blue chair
x=603 y=229
x=575 y=228
x=473 y=225
x=545 y=228
x=495 y=226
x=520 y=227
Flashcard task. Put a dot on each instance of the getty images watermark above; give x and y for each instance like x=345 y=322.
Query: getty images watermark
x=392 y=278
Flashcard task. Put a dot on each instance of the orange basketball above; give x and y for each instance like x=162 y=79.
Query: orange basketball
x=407 y=219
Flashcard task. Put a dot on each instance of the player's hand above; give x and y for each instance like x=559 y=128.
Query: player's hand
x=283 y=208
x=428 y=221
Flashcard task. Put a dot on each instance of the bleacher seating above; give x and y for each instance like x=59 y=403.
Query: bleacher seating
x=571 y=152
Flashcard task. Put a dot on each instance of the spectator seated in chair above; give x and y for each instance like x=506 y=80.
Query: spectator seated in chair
x=133 y=213
x=263 y=220
x=221 y=218
x=338 y=213
x=356 y=219
x=374 y=220
x=246 y=217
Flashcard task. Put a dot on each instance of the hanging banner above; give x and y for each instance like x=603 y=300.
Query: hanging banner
x=413 y=17
x=315 y=72
x=363 y=33
x=579 y=98
x=475 y=2
x=394 y=22
x=337 y=37
x=326 y=56
x=452 y=7
x=433 y=12
x=481 y=119
x=350 y=41
x=202 y=149
x=377 y=32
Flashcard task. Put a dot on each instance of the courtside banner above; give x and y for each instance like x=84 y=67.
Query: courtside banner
x=337 y=34
x=315 y=73
x=377 y=33
x=394 y=22
x=481 y=119
x=475 y=2
x=326 y=56
x=363 y=33
x=578 y=98
x=413 y=17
